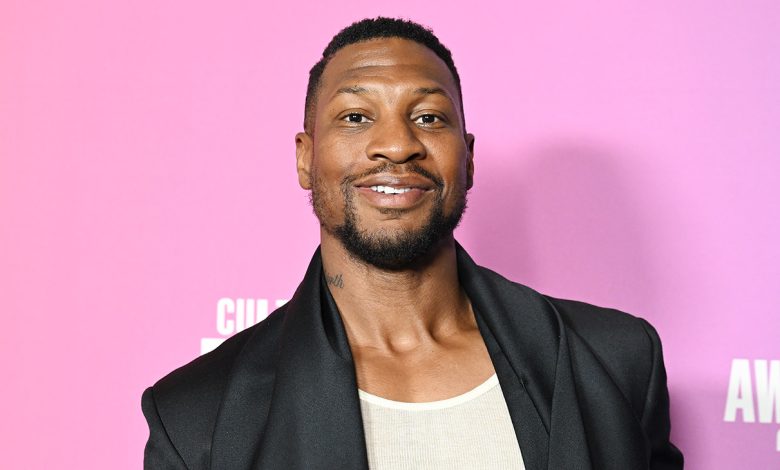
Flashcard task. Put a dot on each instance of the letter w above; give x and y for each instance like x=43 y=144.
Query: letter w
x=767 y=390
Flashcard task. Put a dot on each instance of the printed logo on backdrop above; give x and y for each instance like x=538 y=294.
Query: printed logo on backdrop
x=234 y=315
x=754 y=393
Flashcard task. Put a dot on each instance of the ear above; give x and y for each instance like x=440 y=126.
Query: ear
x=303 y=157
x=470 y=163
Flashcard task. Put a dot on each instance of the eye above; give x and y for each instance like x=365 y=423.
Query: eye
x=428 y=119
x=356 y=118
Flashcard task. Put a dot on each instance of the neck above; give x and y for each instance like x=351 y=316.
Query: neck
x=401 y=310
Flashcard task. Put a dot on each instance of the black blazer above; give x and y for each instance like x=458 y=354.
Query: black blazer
x=585 y=387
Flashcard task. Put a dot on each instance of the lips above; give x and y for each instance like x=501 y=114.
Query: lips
x=397 y=182
x=391 y=191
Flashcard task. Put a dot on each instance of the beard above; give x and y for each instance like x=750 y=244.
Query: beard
x=390 y=250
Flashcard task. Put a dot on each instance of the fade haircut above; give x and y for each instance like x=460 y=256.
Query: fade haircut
x=375 y=28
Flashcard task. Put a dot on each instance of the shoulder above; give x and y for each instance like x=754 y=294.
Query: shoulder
x=607 y=329
x=205 y=374
x=604 y=328
x=626 y=346
x=190 y=396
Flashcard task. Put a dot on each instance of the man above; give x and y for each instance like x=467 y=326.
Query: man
x=397 y=351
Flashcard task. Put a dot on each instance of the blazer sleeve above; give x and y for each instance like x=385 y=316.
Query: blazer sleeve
x=655 y=416
x=159 y=454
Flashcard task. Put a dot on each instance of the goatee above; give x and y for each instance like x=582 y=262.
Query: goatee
x=392 y=251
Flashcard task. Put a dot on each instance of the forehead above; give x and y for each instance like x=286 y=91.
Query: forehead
x=386 y=61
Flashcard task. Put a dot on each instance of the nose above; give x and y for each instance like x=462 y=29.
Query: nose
x=395 y=140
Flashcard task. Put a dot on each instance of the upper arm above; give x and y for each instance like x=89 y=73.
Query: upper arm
x=159 y=452
x=655 y=414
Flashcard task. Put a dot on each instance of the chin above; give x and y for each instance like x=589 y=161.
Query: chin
x=393 y=249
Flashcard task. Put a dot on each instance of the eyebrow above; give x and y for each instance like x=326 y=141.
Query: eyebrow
x=358 y=90
x=355 y=90
x=431 y=91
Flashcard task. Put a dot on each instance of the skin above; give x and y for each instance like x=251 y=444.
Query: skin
x=412 y=332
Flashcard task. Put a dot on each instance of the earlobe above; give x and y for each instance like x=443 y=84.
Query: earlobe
x=303 y=154
x=470 y=163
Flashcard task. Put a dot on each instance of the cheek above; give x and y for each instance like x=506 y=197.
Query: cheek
x=455 y=176
x=334 y=160
x=328 y=171
x=451 y=159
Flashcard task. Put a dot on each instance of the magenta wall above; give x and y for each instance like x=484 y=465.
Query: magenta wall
x=626 y=155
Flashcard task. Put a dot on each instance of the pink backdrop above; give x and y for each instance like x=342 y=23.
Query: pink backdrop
x=627 y=155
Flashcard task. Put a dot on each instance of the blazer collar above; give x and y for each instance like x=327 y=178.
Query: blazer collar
x=313 y=418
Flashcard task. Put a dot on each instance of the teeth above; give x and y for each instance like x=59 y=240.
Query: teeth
x=390 y=190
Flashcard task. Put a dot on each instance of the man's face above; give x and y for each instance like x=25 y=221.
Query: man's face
x=389 y=163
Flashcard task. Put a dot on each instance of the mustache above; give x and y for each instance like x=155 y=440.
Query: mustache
x=394 y=168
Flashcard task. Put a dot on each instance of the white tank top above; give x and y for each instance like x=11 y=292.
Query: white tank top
x=470 y=431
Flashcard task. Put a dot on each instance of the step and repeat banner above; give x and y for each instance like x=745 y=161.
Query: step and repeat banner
x=627 y=155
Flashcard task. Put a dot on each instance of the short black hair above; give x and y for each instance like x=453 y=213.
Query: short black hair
x=375 y=28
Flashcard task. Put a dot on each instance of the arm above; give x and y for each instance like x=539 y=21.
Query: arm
x=159 y=453
x=655 y=416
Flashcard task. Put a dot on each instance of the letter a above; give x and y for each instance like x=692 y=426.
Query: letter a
x=740 y=395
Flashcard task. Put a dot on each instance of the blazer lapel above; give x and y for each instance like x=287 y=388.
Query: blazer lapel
x=531 y=337
x=312 y=420
x=533 y=437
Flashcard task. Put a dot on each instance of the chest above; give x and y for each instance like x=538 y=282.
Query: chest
x=434 y=371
